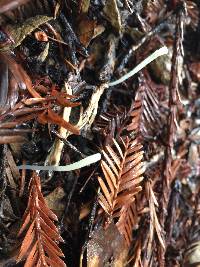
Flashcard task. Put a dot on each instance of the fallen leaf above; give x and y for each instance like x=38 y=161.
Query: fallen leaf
x=86 y=30
x=112 y=14
x=105 y=245
x=54 y=201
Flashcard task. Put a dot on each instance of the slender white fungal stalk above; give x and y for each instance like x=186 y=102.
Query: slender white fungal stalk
x=160 y=52
x=74 y=166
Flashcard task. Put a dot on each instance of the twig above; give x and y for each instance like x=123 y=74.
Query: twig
x=66 y=142
x=168 y=172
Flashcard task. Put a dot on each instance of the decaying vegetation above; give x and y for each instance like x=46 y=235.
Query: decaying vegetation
x=60 y=104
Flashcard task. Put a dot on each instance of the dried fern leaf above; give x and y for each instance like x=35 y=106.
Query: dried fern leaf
x=122 y=167
x=110 y=175
x=153 y=215
x=37 y=247
x=32 y=257
x=146 y=118
x=27 y=242
x=106 y=192
x=104 y=204
x=25 y=224
x=126 y=222
x=47 y=211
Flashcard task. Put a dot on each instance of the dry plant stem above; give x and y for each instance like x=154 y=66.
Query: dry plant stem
x=128 y=6
x=88 y=116
x=55 y=154
x=67 y=143
x=171 y=126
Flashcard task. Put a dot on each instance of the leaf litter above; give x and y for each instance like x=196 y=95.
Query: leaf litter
x=84 y=89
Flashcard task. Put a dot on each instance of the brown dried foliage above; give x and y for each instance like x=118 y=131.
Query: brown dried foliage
x=168 y=173
x=22 y=112
x=123 y=164
x=128 y=202
x=146 y=115
x=123 y=168
x=149 y=231
x=39 y=245
x=111 y=123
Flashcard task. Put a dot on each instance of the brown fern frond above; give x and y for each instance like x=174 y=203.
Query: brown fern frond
x=126 y=221
x=146 y=118
x=39 y=245
x=122 y=164
x=123 y=168
x=153 y=215
x=110 y=124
